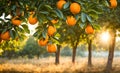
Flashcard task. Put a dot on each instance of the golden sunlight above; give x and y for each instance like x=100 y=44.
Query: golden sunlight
x=105 y=37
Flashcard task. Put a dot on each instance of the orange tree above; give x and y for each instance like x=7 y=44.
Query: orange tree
x=47 y=13
x=11 y=48
x=70 y=14
x=74 y=13
x=113 y=26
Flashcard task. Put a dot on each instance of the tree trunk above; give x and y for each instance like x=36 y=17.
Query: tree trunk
x=74 y=54
x=90 y=53
x=74 y=50
x=111 y=53
x=57 y=54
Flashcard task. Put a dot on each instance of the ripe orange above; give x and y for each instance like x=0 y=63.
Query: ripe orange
x=32 y=20
x=113 y=3
x=54 y=21
x=51 y=30
x=51 y=48
x=75 y=8
x=5 y=36
x=43 y=42
x=16 y=21
x=89 y=29
x=71 y=21
x=60 y=4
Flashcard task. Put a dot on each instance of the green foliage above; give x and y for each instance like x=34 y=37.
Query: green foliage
x=10 y=48
x=32 y=49
x=45 y=11
x=111 y=16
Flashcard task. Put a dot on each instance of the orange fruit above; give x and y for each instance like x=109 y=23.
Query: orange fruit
x=71 y=21
x=75 y=8
x=51 y=48
x=5 y=36
x=60 y=4
x=43 y=42
x=32 y=20
x=89 y=29
x=51 y=30
x=113 y=3
x=54 y=21
x=16 y=21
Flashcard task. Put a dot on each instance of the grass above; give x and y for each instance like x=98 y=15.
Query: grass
x=46 y=65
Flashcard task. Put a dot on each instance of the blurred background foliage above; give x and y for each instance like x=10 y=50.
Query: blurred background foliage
x=30 y=48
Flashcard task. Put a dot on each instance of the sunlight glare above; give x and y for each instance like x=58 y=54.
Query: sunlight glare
x=105 y=36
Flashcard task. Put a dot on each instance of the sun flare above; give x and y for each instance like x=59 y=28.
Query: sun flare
x=105 y=36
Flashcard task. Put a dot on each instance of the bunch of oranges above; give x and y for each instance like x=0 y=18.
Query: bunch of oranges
x=51 y=48
x=75 y=8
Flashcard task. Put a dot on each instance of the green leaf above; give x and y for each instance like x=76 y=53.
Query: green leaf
x=83 y=17
x=44 y=34
x=54 y=40
x=96 y=26
x=49 y=7
x=89 y=18
x=93 y=15
x=77 y=17
x=26 y=28
x=57 y=35
x=106 y=3
x=66 y=5
x=59 y=13
x=49 y=18
x=82 y=25
x=40 y=20
x=20 y=29
x=12 y=34
x=37 y=34
x=4 y=30
x=96 y=10
x=44 y=12
x=13 y=7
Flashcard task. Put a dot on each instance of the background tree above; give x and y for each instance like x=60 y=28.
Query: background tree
x=112 y=27
x=32 y=49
